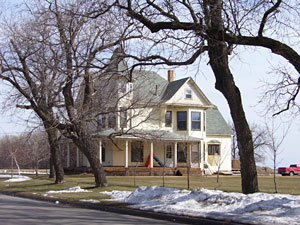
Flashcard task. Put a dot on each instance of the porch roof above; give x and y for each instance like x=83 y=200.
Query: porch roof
x=148 y=135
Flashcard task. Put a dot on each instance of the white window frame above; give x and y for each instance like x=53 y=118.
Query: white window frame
x=188 y=94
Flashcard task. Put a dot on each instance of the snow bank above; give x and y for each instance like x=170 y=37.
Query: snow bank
x=258 y=208
x=15 y=178
x=75 y=189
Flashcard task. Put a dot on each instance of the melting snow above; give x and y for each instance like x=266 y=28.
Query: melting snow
x=75 y=189
x=258 y=208
x=90 y=200
x=15 y=178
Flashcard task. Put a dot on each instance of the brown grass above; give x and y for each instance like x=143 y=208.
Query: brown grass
x=38 y=186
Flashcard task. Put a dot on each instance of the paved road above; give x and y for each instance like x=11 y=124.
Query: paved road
x=17 y=211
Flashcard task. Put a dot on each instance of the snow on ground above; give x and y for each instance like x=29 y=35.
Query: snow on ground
x=15 y=178
x=258 y=208
x=90 y=200
x=69 y=190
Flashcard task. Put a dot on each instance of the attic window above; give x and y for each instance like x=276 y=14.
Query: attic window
x=188 y=94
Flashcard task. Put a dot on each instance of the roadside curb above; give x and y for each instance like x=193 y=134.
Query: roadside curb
x=129 y=211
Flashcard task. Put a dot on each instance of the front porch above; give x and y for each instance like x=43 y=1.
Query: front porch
x=171 y=154
x=139 y=171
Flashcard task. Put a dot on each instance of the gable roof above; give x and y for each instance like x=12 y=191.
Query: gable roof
x=215 y=123
x=172 y=88
x=151 y=87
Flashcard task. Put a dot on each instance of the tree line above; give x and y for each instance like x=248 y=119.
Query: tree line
x=26 y=151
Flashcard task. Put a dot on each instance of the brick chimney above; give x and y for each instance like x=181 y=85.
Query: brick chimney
x=170 y=75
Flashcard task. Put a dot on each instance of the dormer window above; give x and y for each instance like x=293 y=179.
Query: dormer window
x=188 y=94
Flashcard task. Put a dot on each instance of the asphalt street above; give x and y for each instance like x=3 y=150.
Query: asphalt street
x=17 y=211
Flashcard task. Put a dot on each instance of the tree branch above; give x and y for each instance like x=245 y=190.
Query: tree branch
x=265 y=17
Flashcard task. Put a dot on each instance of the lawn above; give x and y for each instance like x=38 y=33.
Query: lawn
x=39 y=185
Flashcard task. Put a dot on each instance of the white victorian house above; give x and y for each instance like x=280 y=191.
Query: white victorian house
x=146 y=115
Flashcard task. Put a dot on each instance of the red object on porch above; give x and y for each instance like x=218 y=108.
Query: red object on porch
x=147 y=164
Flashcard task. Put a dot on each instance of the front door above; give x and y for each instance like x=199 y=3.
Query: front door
x=195 y=157
x=169 y=155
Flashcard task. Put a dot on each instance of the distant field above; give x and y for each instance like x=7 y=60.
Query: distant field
x=38 y=186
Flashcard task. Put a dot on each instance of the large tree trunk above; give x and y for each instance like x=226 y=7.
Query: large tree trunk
x=218 y=54
x=55 y=153
x=51 y=167
x=90 y=149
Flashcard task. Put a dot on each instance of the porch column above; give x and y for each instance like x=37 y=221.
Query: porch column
x=188 y=126
x=68 y=155
x=77 y=157
x=151 y=154
x=175 y=155
x=126 y=154
x=199 y=155
x=100 y=151
x=190 y=155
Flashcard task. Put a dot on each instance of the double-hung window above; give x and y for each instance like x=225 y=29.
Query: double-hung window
x=168 y=119
x=181 y=120
x=196 y=118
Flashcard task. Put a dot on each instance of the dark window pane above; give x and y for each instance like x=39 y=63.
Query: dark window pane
x=195 y=125
x=168 y=119
x=103 y=151
x=169 y=152
x=137 y=154
x=181 y=120
x=214 y=149
x=188 y=94
x=181 y=153
x=112 y=122
x=181 y=115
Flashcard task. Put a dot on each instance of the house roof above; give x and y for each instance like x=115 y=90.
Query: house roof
x=172 y=88
x=151 y=87
x=148 y=86
x=215 y=123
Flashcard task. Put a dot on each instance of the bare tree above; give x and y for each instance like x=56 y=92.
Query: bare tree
x=36 y=147
x=11 y=148
x=54 y=68
x=276 y=135
x=260 y=142
x=217 y=27
x=26 y=65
